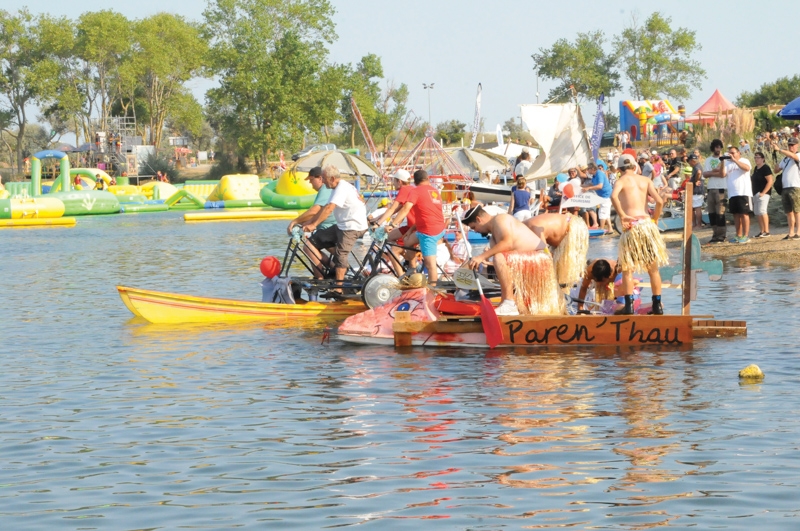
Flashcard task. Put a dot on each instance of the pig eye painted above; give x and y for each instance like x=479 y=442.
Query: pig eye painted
x=405 y=306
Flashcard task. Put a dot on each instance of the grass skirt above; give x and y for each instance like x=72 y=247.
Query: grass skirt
x=641 y=246
x=535 y=288
x=570 y=255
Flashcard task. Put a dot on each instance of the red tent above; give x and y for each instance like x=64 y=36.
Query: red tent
x=716 y=105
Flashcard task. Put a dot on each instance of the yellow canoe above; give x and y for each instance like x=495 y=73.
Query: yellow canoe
x=166 y=308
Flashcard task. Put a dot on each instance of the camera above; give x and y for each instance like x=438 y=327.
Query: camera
x=725 y=157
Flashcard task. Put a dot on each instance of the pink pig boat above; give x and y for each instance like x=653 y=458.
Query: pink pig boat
x=412 y=319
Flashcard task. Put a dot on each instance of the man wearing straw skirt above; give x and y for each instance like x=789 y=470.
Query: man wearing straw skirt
x=568 y=237
x=640 y=246
x=523 y=265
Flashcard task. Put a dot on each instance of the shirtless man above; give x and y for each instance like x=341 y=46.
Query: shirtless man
x=524 y=268
x=640 y=246
x=568 y=236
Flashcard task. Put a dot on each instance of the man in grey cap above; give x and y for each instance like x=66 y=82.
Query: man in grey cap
x=323 y=198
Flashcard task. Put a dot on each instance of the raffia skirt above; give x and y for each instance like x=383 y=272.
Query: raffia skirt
x=641 y=246
x=535 y=287
x=570 y=255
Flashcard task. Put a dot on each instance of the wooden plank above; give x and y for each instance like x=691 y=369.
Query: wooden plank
x=718 y=328
x=719 y=331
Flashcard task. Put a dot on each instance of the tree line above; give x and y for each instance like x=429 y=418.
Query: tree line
x=276 y=88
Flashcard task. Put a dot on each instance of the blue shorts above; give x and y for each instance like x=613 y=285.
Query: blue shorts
x=427 y=244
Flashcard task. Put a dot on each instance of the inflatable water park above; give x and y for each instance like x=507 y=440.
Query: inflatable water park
x=72 y=192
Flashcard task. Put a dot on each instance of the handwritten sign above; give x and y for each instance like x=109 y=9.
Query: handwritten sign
x=597 y=330
x=586 y=200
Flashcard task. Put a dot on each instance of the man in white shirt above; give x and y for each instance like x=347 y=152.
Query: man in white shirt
x=790 y=179
x=715 y=198
x=736 y=170
x=351 y=223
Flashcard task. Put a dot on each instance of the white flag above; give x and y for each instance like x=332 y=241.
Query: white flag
x=477 y=122
x=499 y=135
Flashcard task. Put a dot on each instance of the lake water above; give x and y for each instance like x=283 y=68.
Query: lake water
x=110 y=423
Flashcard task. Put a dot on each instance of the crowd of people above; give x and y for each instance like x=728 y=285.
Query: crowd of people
x=537 y=257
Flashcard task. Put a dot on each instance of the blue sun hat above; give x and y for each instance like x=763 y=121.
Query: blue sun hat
x=562 y=178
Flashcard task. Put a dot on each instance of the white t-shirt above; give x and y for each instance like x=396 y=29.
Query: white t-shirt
x=350 y=211
x=712 y=163
x=522 y=168
x=738 y=179
x=791 y=173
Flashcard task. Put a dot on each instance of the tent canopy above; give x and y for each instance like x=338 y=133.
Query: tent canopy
x=716 y=104
x=791 y=111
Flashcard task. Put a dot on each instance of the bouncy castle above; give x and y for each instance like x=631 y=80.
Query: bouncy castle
x=646 y=118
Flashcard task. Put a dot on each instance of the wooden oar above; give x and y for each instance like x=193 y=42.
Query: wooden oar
x=489 y=320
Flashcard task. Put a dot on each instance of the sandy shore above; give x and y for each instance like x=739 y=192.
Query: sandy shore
x=772 y=249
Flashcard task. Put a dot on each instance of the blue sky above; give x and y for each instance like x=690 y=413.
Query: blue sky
x=457 y=44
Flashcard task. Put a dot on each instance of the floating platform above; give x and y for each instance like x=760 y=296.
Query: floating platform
x=37 y=222
x=240 y=215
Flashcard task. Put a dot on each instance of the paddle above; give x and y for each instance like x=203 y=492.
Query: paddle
x=465 y=278
x=489 y=320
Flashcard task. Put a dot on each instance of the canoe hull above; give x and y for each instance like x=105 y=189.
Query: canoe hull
x=172 y=308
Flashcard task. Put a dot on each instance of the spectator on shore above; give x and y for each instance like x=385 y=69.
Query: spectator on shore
x=698 y=190
x=736 y=169
x=789 y=168
x=645 y=165
x=744 y=146
x=762 y=180
x=715 y=195
x=602 y=187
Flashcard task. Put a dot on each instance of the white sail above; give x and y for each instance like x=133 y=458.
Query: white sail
x=561 y=133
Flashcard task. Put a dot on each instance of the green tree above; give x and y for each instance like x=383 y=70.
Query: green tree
x=657 y=59
x=184 y=115
x=28 y=70
x=582 y=64
x=451 y=131
x=513 y=128
x=270 y=58
x=778 y=92
x=169 y=51
x=391 y=110
x=103 y=44
x=612 y=121
x=363 y=85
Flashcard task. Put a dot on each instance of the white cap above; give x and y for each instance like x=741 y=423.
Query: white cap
x=402 y=175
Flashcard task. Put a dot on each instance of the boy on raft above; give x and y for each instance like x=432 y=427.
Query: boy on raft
x=523 y=265
x=640 y=246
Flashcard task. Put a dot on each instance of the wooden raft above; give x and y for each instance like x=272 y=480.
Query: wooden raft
x=567 y=330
